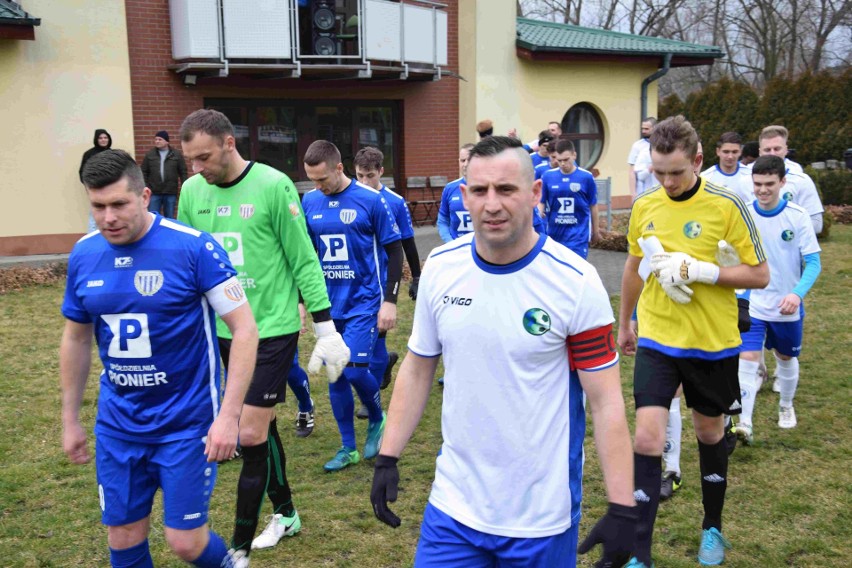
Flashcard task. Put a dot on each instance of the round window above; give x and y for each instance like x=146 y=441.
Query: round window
x=583 y=125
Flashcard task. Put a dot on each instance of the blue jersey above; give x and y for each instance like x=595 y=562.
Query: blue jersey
x=348 y=229
x=155 y=330
x=402 y=216
x=539 y=159
x=541 y=168
x=453 y=209
x=568 y=199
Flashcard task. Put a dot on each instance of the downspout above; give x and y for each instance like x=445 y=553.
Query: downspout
x=667 y=61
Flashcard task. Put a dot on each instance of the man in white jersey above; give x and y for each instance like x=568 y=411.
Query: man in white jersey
x=148 y=289
x=776 y=322
x=728 y=172
x=508 y=492
x=637 y=148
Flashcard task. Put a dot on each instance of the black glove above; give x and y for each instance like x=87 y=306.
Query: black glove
x=385 y=485
x=744 y=320
x=412 y=288
x=615 y=531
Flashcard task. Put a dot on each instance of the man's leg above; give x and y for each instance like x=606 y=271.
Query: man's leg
x=128 y=545
x=748 y=368
x=155 y=203
x=169 y=201
x=785 y=339
x=298 y=381
x=672 y=479
x=362 y=331
x=446 y=543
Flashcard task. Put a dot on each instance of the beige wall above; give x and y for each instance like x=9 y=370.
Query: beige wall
x=56 y=90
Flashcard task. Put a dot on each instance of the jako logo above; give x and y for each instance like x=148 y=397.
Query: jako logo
x=457 y=301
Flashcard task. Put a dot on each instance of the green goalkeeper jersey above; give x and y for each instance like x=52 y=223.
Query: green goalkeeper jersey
x=259 y=221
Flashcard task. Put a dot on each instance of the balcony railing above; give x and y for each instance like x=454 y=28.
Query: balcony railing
x=337 y=38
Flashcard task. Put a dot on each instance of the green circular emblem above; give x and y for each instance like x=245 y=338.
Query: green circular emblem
x=787 y=235
x=692 y=229
x=788 y=196
x=536 y=321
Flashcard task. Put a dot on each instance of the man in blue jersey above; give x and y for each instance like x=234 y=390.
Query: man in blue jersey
x=569 y=199
x=507 y=492
x=348 y=222
x=369 y=171
x=148 y=289
x=453 y=217
x=542 y=156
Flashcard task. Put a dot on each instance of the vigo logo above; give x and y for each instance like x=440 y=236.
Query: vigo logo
x=458 y=301
x=233 y=245
x=130 y=338
x=465 y=222
x=335 y=248
x=566 y=205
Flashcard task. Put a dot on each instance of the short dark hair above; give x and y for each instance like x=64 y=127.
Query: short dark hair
x=729 y=138
x=564 y=145
x=751 y=149
x=369 y=158
x=544 y=137
x=322 y=152
x=768 y=165
x=491 y=146
x=208 y=121
x=110 y=166
x=469 y=146
x=551 y=146
x=556 y=122
x=650 y=119
x=675 y=133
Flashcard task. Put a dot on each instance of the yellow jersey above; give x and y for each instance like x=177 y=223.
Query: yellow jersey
x=706 y=327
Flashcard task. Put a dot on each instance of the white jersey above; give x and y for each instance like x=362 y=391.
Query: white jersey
x=799 y=189
x=645 y=179
x=638 y=146
x=787 y=235
x=502 y=331
x=794 y=167
x=739 y=182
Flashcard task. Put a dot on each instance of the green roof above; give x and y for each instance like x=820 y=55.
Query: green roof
x=12 y=13
x=539 y=36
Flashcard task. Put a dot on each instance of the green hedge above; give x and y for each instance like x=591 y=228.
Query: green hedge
x=835 y=186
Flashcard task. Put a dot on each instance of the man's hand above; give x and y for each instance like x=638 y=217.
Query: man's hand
x=74 y=443
x=412 y=288
x=387 y=316
x=330 y=349
x=385 y=489
x=596 y=236
x=615 y=531
x=790 y=304
x=627 y=339
x=222 y=438
x=680 y=268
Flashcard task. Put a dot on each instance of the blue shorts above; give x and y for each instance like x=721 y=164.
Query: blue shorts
x=444 y=542
x=359 y=333
x=783 y=336
x=129 y=473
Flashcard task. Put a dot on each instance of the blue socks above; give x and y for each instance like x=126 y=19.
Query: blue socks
x=138 y=556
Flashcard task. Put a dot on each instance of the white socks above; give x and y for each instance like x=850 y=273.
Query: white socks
x=788 y=379
x=671 y=451
x=748 y=388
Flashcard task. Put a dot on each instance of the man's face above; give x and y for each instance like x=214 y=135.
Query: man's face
x=552 y=157
x=565 y=161
x=555 y=129
x=160 y=143
x=209 y=156
x=500 y=196
x=646 y=129
x=103 y=140
x=675 y=171
x=767 y=189
x=370 y=178
x=328 y=179
x=729 y=155
x=464 y=156
x=775 y=146
x=121 y=215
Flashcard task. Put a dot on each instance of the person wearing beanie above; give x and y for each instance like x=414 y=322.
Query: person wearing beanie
x=164 y=168
x=101 y=142
x=485 y=128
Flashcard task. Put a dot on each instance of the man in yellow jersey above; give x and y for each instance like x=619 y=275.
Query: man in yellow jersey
x=689 y=334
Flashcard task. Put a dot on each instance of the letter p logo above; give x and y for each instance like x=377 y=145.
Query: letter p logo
x=335 y=248
x=233 y=245
x=130 y=339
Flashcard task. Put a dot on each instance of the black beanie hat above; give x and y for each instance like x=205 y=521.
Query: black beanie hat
x=162 y=134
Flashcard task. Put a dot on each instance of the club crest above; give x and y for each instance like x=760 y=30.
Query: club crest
x=246 y=210
x=348 y=215
x=148 y=282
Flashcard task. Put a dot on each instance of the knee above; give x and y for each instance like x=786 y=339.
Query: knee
x=753 y=356
x=254 y=435
x=254 y=425
x=781 y=357
x=709 y=431
x=187 y=545
x=649 y=441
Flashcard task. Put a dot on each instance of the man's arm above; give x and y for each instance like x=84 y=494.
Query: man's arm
x=75 y=359
x=596 y=232
x=181 y=166
x=410 y=394
x=222 y=436
x=146 y=169
x=744 y=276
x=631 y=288
x=631 y=182
x=612 y=437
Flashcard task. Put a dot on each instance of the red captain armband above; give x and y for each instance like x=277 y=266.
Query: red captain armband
x=591 y=348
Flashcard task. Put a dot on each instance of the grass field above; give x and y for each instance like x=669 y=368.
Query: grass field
x=788 y=496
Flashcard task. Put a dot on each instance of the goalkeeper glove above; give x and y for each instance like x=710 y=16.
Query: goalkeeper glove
x=680 y=293
x=412 y=288
x=385 y=488
x=680 y=268
x=330 y=349
x=615 y=531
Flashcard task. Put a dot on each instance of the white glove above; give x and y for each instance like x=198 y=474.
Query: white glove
x=330 y=349
x=680 y=293
x=680 y=268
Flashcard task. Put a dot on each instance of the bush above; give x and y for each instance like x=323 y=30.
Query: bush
x=835 y=186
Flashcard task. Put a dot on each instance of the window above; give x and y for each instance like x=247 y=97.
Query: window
x=583 y=125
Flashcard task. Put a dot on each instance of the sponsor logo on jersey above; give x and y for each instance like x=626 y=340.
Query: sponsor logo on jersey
x=203 y=212
x=317 y=216
x=124 y=261
x=148 y=282
x=246 y=210
x=692 y=229
x=233 y=245
x=650 y=227
x=348 y=215
x=457 y=301
x=536 y=321
x=787 y=235
x=294 y=209
x=456 y=198
x=566 y=205
x=335 y=248
x=465 y=222
x=333 y=204
x=94 y=283
x=575 y=187
x=223 y=211
x=234 y=292
x=130 y=338
x=788 y=196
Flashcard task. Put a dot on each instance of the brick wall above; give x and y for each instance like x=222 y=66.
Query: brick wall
x=429 y=110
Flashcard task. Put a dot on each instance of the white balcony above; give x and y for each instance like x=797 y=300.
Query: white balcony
x=363 y=39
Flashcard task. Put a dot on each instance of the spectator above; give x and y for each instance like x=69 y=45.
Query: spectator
x=163 y=168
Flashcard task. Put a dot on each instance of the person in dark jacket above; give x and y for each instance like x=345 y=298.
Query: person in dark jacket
x=163 y=168
x=102 y=141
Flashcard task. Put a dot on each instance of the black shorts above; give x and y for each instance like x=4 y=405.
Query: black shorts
x=274 y=359
x=711 y=388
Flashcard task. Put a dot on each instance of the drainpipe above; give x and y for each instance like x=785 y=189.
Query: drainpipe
x=667 y=61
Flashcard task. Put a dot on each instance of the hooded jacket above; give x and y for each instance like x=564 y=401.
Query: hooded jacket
x=95 y=150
